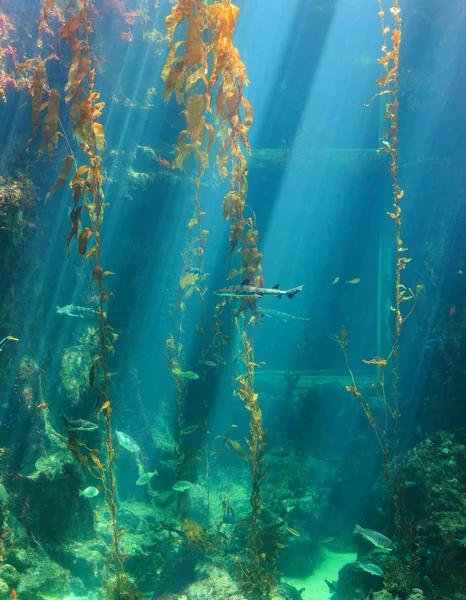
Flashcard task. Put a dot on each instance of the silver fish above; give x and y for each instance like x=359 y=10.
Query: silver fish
x=376 y=538
x=127 y=442
x=77 y=424
x=146 y=478
x=370 y=568
x=271 y=313
x=246 y=290
x=90 y=492
x=182 y=486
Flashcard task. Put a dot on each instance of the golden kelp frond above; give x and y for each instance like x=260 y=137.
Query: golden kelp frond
x=195 y=120
x=75 y=49
x=37 y=82
x=184 y=10
x=194 y=45
x=98 y=131
x=73 y=85
x=72 y=26
x=175 y=80
x=183 y=150
x=50 y=125
x=83 y=239
x=62 y=176
x=47 y=8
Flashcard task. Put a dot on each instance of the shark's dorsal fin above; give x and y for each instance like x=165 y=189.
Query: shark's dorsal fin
x=276 y=287
x=246 y=282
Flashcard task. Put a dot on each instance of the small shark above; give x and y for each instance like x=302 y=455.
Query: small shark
x=270 y=313
x=77 y=424
x=71 y=309
x=246 y=290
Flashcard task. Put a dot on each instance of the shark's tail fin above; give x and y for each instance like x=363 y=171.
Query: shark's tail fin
x=293 y=291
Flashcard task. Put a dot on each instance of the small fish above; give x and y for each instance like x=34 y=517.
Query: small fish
x=246 y=290
x=13 y=594
x=188 y=430
x=331 y=586
x=376 y=538
x=229 y=519
x=219 y=359
x=188 y=375
x=127 y=442
x=335 y=281
x=89 y=492
x=452 y=311
x=293 y=531
x=42 y=405
x=353 y=281
x=327 y=539
x=460 y=272
x=77 y=424
x=284 y=495
x=146 y=478
x=370 y=568
x=164 y=163
x=193 y=270
x=182 y=486
x=209 y=363
x=434 y=341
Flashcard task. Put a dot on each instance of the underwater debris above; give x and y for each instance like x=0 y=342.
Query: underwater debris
x=246 y=290
x=89 y=492
x=376 y=538
x=77 y=424
x=127 y=442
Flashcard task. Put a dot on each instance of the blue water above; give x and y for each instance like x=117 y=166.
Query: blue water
x=318 y=191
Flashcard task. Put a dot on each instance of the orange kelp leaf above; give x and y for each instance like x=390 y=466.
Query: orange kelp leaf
x=37 y=81
x=62 y=176
x=47 y=8
x=91 y=252
x=98 y=131
x=73 y=25
x=210 y=138
x=169 y=62
x=49 y=127
x=194 y=44
x=83 y=239
x=81 y=72
x=75 y=111
x=247 y=112
x=195 y=120
x=75 y=218
x=175 y=80
x=75 y=49
x=183 y=150
x=238 y=449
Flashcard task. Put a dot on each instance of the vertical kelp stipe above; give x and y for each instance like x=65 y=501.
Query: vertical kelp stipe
x=208 y=61
x=86 y=186
x=402 y=570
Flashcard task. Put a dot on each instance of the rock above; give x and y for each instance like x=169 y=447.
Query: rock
x=20 y=559
x=46 y=577
x=9 y=574
x=4 y=591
